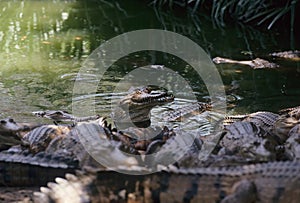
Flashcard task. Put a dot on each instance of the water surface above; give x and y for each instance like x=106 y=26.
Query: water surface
x=44 y=43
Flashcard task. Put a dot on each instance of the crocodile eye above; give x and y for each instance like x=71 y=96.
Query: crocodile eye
x=280 y=148
x=59 y=113
x=147 y=90
x=2 y=121
x=11 y=120
x=256 y=143
x=267 y=144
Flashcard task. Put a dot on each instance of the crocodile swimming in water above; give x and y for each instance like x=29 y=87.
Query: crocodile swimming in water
x=259 y=63
x=290 y=55
x=136 y=106
x=256 y=63
x=59 y=116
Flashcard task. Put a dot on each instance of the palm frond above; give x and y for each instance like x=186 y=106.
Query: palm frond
x=259 y=12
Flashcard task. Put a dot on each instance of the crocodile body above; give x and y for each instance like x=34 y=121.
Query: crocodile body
x=39 y=138
x=29 y=164
x=59 y=116
x=292 y=145
x=288 y=119
x=270 y=182
x=257 y=63
x=290 y=111
x=263 y=119
x=28 y=170
x=194 y=108
x=249 y=140
x=291 y=55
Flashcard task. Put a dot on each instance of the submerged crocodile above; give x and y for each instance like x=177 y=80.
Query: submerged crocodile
x=291 y=55
x=59 y=116
x=257 y=63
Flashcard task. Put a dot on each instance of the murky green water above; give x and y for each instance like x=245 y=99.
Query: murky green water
x=43 y=44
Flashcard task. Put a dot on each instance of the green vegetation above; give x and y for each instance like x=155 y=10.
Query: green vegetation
x=258 y=12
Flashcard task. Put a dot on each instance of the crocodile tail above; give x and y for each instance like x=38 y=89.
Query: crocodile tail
x=21 y=168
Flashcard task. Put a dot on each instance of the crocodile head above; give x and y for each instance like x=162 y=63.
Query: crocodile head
x=9 y=125
x=9 y=132
x=56 y=115
x=136 y=106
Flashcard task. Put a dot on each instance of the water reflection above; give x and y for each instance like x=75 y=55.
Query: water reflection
x=43 y=44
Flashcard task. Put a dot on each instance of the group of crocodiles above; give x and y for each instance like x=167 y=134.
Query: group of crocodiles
x=256 y=157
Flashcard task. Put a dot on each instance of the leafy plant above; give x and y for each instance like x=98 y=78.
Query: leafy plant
x=260 y=12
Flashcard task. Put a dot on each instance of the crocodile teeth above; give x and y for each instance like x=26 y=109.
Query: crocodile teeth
x=45 y=190
x=61 y=181
x=51 y=185
x=71 y=177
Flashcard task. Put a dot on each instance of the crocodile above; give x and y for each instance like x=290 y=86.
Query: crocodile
x=291 y=55
x=239 y=143
x=39 y=138
x=264 y=119
x=134 y=109
x=256 y=63
x=292 y=143
x=253 y=137
x=282 y=127
x=259 y=136
x=291 y=112
x=278 y=125
x=244 y=139
x=19 y=167
x=186 y=111
x=58 y=116
x=267 y=182
x=249 y=140
x=141 y=139
x=11 y=132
